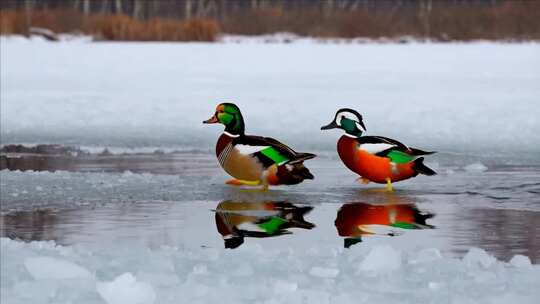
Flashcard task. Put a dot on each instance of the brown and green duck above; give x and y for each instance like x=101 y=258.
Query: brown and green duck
x=255 y=160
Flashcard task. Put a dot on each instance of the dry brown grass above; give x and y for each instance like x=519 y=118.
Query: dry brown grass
x=110 y=27
x=11 y=22
x=121 y=27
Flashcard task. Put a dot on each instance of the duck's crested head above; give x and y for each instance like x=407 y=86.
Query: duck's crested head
x=229 y=115
x=349 y=120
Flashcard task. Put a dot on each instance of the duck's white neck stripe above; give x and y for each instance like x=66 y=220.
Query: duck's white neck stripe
x=349 y=135
x=229 y=134
x=225 y=154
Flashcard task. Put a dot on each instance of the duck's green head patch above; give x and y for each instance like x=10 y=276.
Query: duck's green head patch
x=229 y=115
x=348 y=120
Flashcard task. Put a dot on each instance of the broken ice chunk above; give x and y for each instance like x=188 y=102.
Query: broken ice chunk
x=126 y=289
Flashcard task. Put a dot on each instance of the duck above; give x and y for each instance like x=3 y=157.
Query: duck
x=376 y=159
x=358 y=219
x=255 y=160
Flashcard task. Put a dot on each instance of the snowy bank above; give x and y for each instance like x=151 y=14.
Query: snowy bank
x=264 y=275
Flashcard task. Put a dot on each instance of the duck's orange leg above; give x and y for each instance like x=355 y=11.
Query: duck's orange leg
x=389 y=187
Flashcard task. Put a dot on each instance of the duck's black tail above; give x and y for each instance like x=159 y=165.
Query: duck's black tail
x=300 y=171
x=418 y=152
x=300 y=157
x=292 y=174
x=419 y=167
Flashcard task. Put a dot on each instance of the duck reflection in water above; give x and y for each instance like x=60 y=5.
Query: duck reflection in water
x=237 y=220
x=356 y=220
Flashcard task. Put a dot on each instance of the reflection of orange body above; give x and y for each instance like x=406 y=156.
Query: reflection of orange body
x=353 y=220
x=370 y=166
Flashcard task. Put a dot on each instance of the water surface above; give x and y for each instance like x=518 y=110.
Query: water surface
x=180 y=200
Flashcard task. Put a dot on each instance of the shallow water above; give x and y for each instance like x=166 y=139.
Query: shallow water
x=173 y=197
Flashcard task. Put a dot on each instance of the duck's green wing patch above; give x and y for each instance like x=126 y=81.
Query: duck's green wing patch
x=387 y=147
x=267 y=155
x=399 y=157
x=270 y=151
x=274 y=155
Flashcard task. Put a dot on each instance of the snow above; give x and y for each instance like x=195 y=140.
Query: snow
x=444 y=97
x=282 y=286
x=476 y=167
x=42 y=268
x=324 y=272
x=63 y=37
x=426 y=255
x=520 y=261
x=126 y=289
x=287 y=37
x=478 y=257
x=203 y=275
x=381 y=259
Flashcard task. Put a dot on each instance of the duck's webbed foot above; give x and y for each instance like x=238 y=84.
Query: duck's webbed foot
x=240 y=182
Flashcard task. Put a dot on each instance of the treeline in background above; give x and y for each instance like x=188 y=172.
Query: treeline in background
x=205 y=20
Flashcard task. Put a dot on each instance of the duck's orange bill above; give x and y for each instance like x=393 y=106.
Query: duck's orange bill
x=212 y=120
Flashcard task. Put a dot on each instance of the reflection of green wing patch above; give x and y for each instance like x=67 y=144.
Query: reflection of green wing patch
x=399 y=157
x=403 y=225
x=274 y=155
x=272 y=226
